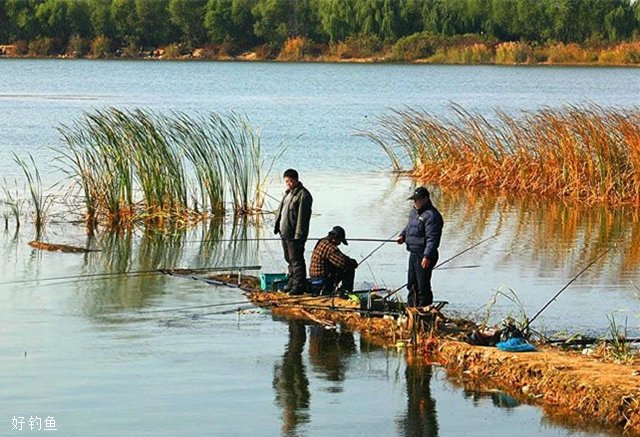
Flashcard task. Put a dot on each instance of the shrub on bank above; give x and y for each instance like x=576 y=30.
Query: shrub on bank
x=101 y=47
x=172 y=51
x=570 y=54
x=513 y=53
x=475 y=54
x=131 y=50
x=359 y=46
x=297 y=49
x=417 y=46
x=78 y=47
x=21 y=47
x=42 y=47
x=623 y=53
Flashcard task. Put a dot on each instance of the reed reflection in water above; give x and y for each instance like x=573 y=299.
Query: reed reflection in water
x=126 y=252
x=550 y=234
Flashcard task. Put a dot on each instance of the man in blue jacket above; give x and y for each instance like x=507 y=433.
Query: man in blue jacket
x=422 y=237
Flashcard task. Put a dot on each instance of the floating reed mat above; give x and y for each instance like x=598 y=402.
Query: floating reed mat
x=138 y=165
x=585 y=152
x=52 y=247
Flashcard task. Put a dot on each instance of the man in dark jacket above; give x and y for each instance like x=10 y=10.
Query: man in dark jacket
x=331 y=265
x=292 y=223
x=422 y=237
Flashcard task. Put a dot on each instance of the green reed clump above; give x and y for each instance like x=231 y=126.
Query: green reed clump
x=586 y=152
x=139 y=165
x=40 y=202
x=619 y=346
x=13 y=206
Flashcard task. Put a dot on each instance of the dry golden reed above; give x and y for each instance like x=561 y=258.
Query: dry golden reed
x=587 y=153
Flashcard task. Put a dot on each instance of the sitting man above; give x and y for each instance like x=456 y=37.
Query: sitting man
x=332 y=266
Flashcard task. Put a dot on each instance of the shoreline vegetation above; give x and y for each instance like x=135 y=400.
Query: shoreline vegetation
x=585 y=153
x=501 y=32
x=416 y=49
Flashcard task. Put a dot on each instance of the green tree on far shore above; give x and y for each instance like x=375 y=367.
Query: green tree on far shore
x=248 y=23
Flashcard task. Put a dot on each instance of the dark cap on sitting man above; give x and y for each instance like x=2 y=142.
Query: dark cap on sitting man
x=338 y=232
x=420 y=193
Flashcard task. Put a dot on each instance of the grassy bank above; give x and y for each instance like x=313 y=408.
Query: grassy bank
x=585 y=153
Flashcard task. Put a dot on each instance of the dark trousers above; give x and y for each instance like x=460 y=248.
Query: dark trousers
x=336 y=277
x=419 y=281
x=294 y=255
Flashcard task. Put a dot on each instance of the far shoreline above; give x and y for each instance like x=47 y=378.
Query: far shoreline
x=320 y=60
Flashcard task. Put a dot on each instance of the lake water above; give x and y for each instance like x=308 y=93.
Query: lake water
x=117 y=357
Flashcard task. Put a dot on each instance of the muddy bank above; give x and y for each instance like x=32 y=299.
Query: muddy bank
x=563 y=383
x=567 y=385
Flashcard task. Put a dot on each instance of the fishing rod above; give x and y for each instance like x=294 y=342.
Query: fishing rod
x=195 y=307
x=439 y=265
x=377 y=248
x=588 y=341
x=229 y=240
x=567 y=286
x=166 y=271
x=339 y=309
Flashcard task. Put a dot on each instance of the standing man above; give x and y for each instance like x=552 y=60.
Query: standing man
x=422 y=237
x=292 y=223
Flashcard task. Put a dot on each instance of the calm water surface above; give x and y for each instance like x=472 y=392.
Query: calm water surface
x=118 y=357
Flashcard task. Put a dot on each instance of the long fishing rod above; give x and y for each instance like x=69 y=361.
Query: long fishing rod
x=439 y=265
x=229 y=240
x=377 y=248
x=195 y=307
x=567 y=286
x=133 y=272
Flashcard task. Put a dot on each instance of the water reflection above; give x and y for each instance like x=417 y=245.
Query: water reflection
x=420 y=419
x=553 y=234
x=290 y=381
x=329 y=352
x=498 y=398
x=125 y=251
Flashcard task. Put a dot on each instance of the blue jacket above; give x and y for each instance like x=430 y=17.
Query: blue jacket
x=422 y=233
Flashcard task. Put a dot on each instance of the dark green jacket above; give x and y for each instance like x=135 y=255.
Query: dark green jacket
x=294 y=214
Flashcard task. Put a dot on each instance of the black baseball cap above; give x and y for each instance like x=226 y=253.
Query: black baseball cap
x=420 y=193
x=338 y=232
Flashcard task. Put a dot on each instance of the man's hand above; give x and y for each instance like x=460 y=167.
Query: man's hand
x=400 y=239
x=425 y=263
x=354 y=263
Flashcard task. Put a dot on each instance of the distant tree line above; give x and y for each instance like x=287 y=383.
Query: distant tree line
x=243 y=24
